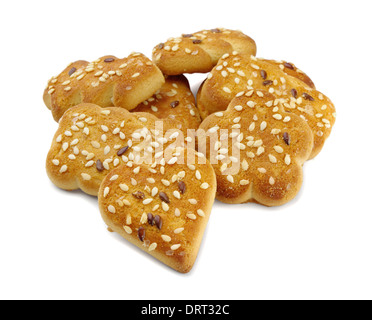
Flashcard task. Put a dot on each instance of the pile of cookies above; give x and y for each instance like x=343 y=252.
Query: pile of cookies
x=131 y=132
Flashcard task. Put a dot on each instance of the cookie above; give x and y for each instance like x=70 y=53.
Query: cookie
x=256 y=149
x=91 y=141
x=200 y=51
x=107 y=82
x=161 y=208
x=236 y=73
x=174 y=101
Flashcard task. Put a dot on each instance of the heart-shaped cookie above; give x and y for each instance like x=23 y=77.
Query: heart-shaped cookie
x=162 y=208
x=236 y=73
x=91 y=141
x=257 y=149
x=107 y=82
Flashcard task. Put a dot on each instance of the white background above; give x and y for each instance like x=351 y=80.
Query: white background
x=54 y=245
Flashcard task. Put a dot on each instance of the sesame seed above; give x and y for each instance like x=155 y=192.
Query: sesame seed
x=245 y=165
x=86 y=176
x=172 y=160
x=272 y=181
x=96 y=144
x=277 y=116
x=204 y=186
x=90 y=156
x=272 y=158
x=65 y=146
x=164 y=206
x=193 y=201
x=106 y=192
x=114 y=177
x=166 y=238
x=244 y=182
x=147 y=201
x=200 y=212
x=153 y=245
x=63 y=169
x=107 y=150
x=278 y=149
x=230 y=178
x=287 y=159
x=191 y=216
x=261 y=170
x=260 y=150
x=135 y=75
x=111 y=209
x=165 y=182
x=226 y=89
x=178 y=230
x=251 y=104
x=128 y=229
x=175 y=247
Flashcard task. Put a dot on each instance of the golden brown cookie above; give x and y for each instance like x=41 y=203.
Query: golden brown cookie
x=161 y=208
x=174 y=101
x=107 y=82
x=256 y=149
x=236 y=73
x=200 y=51
x=91 y=141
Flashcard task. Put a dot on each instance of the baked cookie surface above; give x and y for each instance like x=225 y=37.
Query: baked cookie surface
x=107 y=82
x=162 y=208
x=91 y=141
x=256 y=149
x=236 y=73
x=174 y=100
x=200 y=51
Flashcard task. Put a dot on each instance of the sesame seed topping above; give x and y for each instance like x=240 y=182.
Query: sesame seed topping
x=128 y=229
x=230 y=178
x=204 y=185
x=153 y=246
x=166 y=238
x=191 y=216
x=287 y=159
x=114 y=177
x=86 y=176
x=111 y=209
x=175 y=247
x=272 y=158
